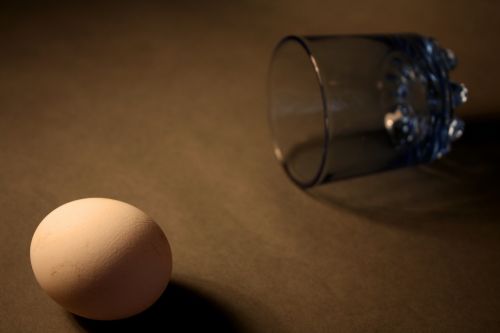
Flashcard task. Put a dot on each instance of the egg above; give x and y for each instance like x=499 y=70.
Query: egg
x=101 y=258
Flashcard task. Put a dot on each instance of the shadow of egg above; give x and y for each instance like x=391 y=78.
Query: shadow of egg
x=179 y=309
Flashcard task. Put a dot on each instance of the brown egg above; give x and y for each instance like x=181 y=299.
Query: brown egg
x=101 y=258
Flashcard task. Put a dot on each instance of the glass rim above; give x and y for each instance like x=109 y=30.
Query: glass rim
x=319 y=174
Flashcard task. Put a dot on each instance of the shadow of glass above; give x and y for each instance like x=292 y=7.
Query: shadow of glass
x=179 y=309
x=462 y=187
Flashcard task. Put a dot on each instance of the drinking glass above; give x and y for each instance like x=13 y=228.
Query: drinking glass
x=344 y=106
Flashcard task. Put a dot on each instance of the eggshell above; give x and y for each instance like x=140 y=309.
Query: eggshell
x=101 y=258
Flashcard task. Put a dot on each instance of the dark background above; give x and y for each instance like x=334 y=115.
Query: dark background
x=163 y=105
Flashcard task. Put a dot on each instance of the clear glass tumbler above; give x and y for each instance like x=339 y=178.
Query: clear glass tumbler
x=343 y=106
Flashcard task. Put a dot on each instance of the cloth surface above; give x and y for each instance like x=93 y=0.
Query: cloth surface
x=164 y=106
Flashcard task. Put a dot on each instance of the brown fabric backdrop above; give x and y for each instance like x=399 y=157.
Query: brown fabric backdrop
x=163 y=106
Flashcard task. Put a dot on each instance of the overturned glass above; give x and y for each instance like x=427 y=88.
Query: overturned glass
x=344 y=106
